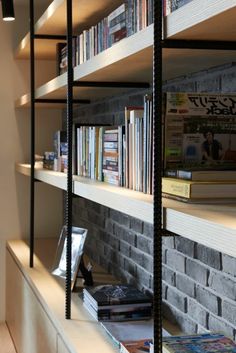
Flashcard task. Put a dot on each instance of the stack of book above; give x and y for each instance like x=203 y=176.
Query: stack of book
x=200 y=147
x=117 y=303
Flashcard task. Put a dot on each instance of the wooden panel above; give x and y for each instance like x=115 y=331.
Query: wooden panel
x=6 y=343
x=29 y=325
x=61 y=347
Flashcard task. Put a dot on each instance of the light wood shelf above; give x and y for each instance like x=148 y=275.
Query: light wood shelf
x=131 y=58
x=128 y=60
x=47 y=176
x=53 y=22
x=211 y=225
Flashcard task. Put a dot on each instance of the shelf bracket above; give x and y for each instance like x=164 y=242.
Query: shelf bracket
x=199 y=44
x=111 y=84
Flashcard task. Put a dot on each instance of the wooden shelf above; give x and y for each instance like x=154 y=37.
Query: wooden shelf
x=127 y=60
x=211 y=225
x=47 y=176
x=53 y=21
x=133 y=203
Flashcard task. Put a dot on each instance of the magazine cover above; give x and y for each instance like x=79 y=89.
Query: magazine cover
x=200 y=131
x=205 y=343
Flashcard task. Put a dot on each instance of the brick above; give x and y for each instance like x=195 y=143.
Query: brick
x=185 y=246
x=212 y=83
x=229 y=311
x=168 y=242
x=168 y=275
x=197 y=271
x=125 y=248
x=125 y=234
x=209 y=256
x=176 y=317
x=196 y=311
x=144 y=244
x=164 y=255
x=130 y=266
x=177 y=299
x=201 y=329
x=143 y=277
x=96 y=219
x=136 y=225
x=109 y=225
x=209 y=300
x=185 y=284
x=223 y=285
x=175 y=260
x=228 y=83
x=148 y=229
x=164 y=290
x=229 y=264
x=137 y=256
x=120 y=218
x=147 y=263
x=219 y=325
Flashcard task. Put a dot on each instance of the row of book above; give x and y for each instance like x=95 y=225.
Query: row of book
x=199 y=148
x=119 y=155
x=129 y=18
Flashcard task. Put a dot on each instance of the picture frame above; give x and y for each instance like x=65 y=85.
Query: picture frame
x=78 y=237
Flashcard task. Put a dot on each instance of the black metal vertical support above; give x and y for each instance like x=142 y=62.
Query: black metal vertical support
x=157 y=173
x=69 y=159
x=32 y=128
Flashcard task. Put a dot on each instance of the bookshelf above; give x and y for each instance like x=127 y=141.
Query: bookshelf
x=114 y=65
x=210 y=225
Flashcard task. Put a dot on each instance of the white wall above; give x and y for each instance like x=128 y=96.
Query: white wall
x=15 y=146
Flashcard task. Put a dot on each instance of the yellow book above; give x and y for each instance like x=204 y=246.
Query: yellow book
x=198 y=189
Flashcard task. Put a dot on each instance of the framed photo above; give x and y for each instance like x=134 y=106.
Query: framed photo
x=78 y=237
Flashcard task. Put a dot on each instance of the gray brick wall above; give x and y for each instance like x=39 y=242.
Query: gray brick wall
x=199 y=284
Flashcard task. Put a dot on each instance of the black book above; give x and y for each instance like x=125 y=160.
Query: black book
x=119 y=294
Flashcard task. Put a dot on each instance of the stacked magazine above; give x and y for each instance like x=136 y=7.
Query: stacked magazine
x=117 y=303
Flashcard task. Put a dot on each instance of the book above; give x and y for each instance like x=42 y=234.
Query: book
x=202 y=175
x=200 y=131
x=135 y=346
x=112 y=295
x=202 y=343
x=198 y=189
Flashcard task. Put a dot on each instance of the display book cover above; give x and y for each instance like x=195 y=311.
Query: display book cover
x=199 y=135
x=202 y=343
x=115 y=294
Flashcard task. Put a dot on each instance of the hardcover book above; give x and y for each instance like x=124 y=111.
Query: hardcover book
x=202 y=343
x=198 y=189
x=110 y=294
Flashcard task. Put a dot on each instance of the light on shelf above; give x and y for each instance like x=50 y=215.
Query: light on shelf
x=8 y=13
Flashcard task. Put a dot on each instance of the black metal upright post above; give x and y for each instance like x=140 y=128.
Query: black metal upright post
x=32 y=138
x=157 y=212
x=69 y=159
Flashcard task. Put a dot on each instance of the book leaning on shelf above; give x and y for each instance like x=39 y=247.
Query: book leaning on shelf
x=117 y=303
x=200 y=145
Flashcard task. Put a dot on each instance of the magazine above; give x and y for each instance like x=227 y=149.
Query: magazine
x=200 y=131
x=202 y=343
